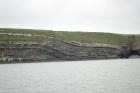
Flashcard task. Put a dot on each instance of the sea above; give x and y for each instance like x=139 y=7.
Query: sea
x=94 y=76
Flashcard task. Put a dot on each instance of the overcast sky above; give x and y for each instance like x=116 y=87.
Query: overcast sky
x=117 y=16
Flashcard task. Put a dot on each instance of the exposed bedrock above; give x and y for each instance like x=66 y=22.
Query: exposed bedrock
x=57 y=50
x=131 y=47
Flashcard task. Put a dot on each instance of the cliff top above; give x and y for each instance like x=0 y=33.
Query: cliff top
x=10 y=35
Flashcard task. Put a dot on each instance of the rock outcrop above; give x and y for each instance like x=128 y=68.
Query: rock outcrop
x=131 y=47
x=58 y=50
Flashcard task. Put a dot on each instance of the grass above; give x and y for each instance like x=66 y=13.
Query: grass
x=43 y=35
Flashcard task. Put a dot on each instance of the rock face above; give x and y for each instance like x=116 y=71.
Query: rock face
x=55 y=50
x=131 y=47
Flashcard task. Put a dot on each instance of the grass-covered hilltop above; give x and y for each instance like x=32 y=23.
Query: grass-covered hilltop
x=11 y=35
x=34 y=45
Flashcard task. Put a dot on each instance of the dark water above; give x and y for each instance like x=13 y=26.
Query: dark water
x=109 y=76
x=134 y=56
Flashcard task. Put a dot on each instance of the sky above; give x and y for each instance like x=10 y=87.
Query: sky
x=115 y=16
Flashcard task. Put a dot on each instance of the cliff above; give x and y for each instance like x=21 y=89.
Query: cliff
x=55 y=50
x=27 y=45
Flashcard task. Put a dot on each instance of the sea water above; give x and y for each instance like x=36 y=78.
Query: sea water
x=102 y=76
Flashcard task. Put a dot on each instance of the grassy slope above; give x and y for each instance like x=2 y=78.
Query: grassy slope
x=88 y=37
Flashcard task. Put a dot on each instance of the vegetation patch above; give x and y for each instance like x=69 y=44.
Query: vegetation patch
x=11 y=35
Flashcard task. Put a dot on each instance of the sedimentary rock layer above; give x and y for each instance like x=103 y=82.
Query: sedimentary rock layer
x=57 y=50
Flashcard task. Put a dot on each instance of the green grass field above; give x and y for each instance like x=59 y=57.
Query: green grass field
x=21 y=35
